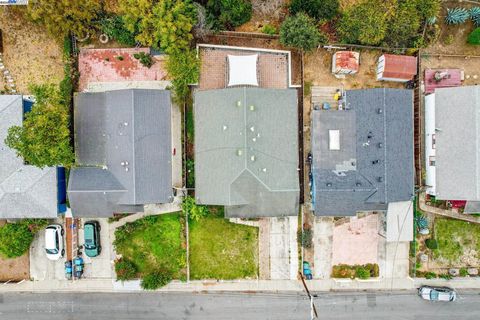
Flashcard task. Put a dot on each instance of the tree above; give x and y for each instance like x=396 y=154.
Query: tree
x=114 y=28
x=474 y=37
x=138 y=18
x=184 y=68
x=65 y=16
x=365 y=23
x=300 y=31
x=317 y=9
x=228 y=14
x=428 y=8
x=15 y=239
x=44 y=138
x=403 y=28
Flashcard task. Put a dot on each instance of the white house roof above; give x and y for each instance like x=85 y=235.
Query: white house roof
x=242 y=70
x=429 y=143
x=25 y=191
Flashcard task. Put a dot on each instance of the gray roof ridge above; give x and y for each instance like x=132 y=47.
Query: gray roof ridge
x=267 y=187
x=230 y=186
x=245 y=123
x=33 y=199
x=271 y=156
x=45 y=171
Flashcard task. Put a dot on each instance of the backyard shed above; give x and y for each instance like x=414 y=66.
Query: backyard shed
x=345 y=62
x=397 y=68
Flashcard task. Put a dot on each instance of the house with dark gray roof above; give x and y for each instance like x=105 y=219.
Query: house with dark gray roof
x=25 y=191
x=363 y=154
x=246 y=151
x=123 y=152
x=457 y=139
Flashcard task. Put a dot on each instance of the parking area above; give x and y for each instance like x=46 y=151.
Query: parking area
x=100 y=267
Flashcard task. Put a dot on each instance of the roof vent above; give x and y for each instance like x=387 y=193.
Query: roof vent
x=125 y=124
x=329 y=184
x=252 y=158
x=379 y=111
x=370 y=135
x=239 y=152
x=224 y=127
x=358 y=184
x=126 y=169
x=375 y=161
x=254 y=139
x=239 y=103
x=252 y=128
x=252 y=108
x=380 y=179
x=380 y=145
x=264 y=169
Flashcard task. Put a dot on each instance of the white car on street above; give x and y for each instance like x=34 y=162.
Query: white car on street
x=54 y=247
x=437 y=293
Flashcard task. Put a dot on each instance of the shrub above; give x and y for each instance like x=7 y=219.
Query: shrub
x=300 y=32
x=15 y=239
x=190 y=173
x=145 y=59
x=362 y=273
x=228 y=14
x=305 y=238
x=269 y=29
x=184 y=68
x=194 y=211
x=475 y=15
x=114 y=28
x=456 y=16
x=373 y=269
x=446 y=276
x=125 y=269
x=34 y=225
x=430 y=275
x=156 y=279
x=317 y=9
x=343 y=271
x=474 y=37
x=431 y=244
x=463 y=272
x=403 y=27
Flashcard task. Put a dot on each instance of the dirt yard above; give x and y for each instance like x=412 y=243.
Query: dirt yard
x=30 y=54
x=14 y=269
x=271 y=12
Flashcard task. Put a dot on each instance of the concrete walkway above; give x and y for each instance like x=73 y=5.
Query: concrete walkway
x=322 y=244
x=446 y=213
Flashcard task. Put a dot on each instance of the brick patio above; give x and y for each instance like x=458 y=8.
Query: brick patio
x=103 y=65
x=272 y=67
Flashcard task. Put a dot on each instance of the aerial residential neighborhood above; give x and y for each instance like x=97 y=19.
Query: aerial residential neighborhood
x=240 y=159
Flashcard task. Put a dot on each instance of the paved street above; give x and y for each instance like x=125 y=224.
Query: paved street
x=138 y=306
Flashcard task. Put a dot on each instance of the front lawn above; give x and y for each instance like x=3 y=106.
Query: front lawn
x=222 y=250
x=154 y=243
x=458 y=241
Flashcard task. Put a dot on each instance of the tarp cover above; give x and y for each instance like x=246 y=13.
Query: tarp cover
x=242 y=70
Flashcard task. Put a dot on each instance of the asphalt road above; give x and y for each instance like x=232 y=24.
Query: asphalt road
x=139 y=306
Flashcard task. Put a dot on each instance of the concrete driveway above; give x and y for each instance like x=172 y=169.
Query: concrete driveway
x=99 y=267
x=42 y=268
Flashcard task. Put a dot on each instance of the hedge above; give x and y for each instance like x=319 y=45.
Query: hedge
x=356 y=271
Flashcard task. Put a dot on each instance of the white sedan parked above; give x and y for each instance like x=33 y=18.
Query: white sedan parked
x=54 y=247
x=437 y=293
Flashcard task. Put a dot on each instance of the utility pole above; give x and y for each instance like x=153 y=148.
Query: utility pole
x=313 y=312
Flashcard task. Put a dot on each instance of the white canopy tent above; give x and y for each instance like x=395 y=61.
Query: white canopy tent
x=242 y=70
x=400 y=221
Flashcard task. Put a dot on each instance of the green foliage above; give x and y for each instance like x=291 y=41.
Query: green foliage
x=463 y=272
x=125 y=269
x=15 y=239
x=138 y=18
x=184 y=68
x=456 y=16
x=190 y=173
x=475 y=15
x=362 y=273
x=145 y=59
x=44 y=138
x=431 y=244
x=474 y=37
x=114 y=27
x=455 y=238
x=446 y=276
x=269 y=29
x=317 y=9
x=228 y=14
x=300 y=32
x=305 y=238
x=156 y=279
x=34 y=225
x=428 y=9
x=403 y=28
x=192 y=210
x=67 y=16
x=430 y=275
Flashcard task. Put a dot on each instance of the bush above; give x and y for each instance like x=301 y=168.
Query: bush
x=430 y=275
x=156 y=279
x=145 y=59
x=190 y=173
x=269 y=29
x=195 y=212
x=463 y=272
x=228 y=14
x=114 y=28
x=404 y=26
x=15 y=239
x=474 y=37
x=343 y=271
x=362 y=273
x=125 y=269
x=431 y=244
x=446 y=276
x=305 y=238
x=373 y=269
x=184 y=68
x=317 y=9
x=300 y=32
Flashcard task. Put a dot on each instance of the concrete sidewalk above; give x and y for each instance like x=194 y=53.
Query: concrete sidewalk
x=107 y=285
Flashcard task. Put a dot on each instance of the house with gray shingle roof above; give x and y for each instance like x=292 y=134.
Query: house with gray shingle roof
x=363 y=154
x=25 y=191
x=123 y=152
x=246 y=151
x=457 y=145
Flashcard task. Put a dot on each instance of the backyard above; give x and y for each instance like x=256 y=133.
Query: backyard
x=220 y=249
x=154 y=243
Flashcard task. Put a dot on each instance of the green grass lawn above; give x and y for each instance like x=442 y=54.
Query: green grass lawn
x=153 y=243
x=455 y=237
x=222 y=250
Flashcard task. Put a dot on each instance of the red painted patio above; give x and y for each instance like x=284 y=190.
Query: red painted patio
x=116 y=65
x=450 y=78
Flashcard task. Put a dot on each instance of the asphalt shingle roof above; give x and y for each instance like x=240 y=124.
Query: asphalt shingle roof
x=123 y=149
x=374 y=165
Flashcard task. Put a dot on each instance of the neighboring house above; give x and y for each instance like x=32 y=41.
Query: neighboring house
x=246 y=151
x=25 y=191
x=396 y=68
x=123 y=152
x=363 y=155
x=457 y=125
